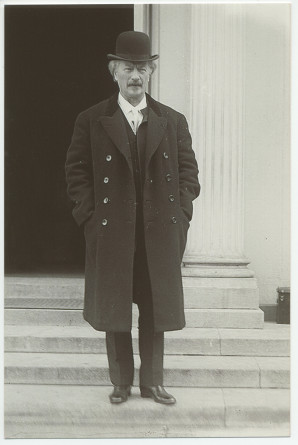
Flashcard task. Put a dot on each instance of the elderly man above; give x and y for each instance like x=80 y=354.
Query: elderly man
x=132 y=175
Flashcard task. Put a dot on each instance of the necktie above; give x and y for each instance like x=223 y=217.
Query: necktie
x=136 y=119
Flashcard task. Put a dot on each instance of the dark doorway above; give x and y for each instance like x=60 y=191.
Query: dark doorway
x=55 y=67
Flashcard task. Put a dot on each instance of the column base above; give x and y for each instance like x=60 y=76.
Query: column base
x=228 y=286
x=216 y=267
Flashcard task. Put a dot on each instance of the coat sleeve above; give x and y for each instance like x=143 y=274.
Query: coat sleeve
x=189 y=186
x=79 y=174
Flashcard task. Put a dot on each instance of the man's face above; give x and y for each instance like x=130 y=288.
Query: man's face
x=132 y=79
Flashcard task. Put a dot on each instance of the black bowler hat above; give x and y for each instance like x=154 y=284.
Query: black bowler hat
x=133 y=46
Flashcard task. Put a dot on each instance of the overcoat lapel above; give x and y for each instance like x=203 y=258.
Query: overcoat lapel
x=156 y=129
x=115 y=127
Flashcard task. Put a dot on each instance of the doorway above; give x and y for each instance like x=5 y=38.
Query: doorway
x=55 y=67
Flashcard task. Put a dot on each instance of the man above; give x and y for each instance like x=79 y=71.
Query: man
x=132 y=175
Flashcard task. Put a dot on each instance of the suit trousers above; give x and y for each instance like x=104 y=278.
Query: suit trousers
x=151 y=343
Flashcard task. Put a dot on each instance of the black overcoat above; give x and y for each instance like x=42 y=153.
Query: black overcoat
x=100 y=182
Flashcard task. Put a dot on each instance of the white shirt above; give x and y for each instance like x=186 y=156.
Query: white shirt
x=132 y=114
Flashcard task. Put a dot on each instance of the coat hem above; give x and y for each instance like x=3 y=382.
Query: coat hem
x=102 y=329
x=97 y=328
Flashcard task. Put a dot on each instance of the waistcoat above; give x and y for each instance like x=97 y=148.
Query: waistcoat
x=137 y=144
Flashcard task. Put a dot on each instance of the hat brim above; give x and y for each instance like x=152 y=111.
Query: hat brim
x=131 y=59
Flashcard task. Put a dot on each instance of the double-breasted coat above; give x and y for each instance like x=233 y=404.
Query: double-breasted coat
x=99 y=175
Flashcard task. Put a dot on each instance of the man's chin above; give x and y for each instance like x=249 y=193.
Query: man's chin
x=135 y=90
x=136 y=94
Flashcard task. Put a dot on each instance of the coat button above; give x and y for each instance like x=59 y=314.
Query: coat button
x=174 y=219
x=104 y=222
x=106 y=180
x=171 y=198
x=165 y=155
x=106 y=200
x=108 y=158
x=168 y=177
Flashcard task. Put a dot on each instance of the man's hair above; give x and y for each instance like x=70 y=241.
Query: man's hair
x=113 y=64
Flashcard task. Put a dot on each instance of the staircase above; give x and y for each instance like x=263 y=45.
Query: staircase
x=228 y=370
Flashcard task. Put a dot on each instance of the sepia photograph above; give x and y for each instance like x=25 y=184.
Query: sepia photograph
x=147 y=220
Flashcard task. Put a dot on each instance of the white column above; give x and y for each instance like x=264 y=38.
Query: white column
x=201 y=73
x=217 y=107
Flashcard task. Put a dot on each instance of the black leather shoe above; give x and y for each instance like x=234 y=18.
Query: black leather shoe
x=120 y=394
x=158 y=393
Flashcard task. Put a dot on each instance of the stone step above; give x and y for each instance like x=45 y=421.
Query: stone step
x=43 y=303
x=220 y=293
x=63 y=292
x=193 y=301
x=186 y=371
x=195 y=318
x=41 y=411
x=273 y=340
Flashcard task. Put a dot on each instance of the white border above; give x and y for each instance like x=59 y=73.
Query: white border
x=294 y=236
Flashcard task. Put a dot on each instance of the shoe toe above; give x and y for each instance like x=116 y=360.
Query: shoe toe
x=159 y=394
x=120 y=394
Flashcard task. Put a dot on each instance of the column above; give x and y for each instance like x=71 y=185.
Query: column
x=201 y=73
x=217 y=122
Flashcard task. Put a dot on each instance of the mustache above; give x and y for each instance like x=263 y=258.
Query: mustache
x=135 y=84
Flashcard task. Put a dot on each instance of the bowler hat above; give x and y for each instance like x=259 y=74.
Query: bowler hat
x=133 y=46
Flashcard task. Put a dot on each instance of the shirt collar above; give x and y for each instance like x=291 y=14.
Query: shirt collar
x=127 y=107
